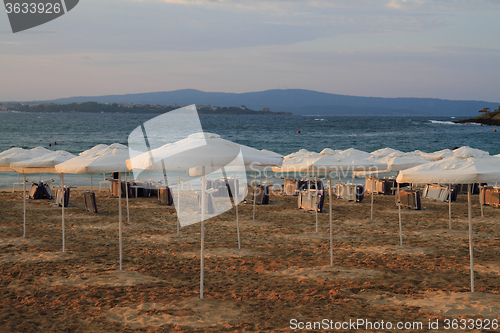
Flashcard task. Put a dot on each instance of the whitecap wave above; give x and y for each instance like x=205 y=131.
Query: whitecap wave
x=442 y=122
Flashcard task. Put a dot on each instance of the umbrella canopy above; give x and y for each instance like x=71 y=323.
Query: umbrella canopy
x=110 y=159
x=94 y=151
x=11 y=151
x=346 y=163
x=253 y=160
x=352 y=152
x=17 y=155
x=397 y=162
x=466 y=152
x=438 y=155
x=197 y=150
x=7 y=153
x=328 y=151
x=299 y=161
x=42 y=164
x=386 y=151
x=453 y=170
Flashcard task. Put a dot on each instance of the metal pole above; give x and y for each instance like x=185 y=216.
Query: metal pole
x=24 y=205
x=120 y=228
x=62 y=201
x=371 y=212
x=235 y=195
x=203 y=188
x=449 y=205
x=178 y=199
x=254 y=193
x=470 y=241
x=481 y=199
x=400 y=228
x=126 y=195
x=317 y=202
x=331 y=225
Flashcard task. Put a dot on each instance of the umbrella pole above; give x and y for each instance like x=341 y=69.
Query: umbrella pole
x=235 y=195
x=331 y=227
x=399 y=209
x=371 y=211
x=24 y=205
x=178 y=198
x=126 y=195
x=449 y=205
x=470 y=240
x=120 y=227
x=266 y=176
x=254 y=193
x=91 y=183
x=203 y=189
x=62 y=201
x=317 y=202
x=481 y=199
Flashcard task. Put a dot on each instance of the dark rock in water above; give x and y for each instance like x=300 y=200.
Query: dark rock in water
x=488 y=118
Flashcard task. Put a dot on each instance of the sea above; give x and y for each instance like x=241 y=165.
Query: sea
x=284 y=134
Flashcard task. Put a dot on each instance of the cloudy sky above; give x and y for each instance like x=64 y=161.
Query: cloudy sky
x=385 y=48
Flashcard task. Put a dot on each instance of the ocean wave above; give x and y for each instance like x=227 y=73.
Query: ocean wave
x=442 y=122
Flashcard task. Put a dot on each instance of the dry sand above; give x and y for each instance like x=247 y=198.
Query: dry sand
x=282 y=271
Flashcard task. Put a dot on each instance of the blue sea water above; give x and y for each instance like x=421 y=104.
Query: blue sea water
x=76 y=132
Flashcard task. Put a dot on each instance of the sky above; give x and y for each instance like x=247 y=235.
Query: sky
x=447 y=49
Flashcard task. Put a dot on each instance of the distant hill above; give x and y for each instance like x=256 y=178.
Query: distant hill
x=299 y=101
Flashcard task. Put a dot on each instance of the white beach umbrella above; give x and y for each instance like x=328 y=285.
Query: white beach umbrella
x=466 y=151
x=396 y=162
x=201 y=153
x=328 y=151
x=41 y=164
x=111 y=159
x=7 y=153
x=330 y=163
x=353 y=152
x=299 y=161
x=455 y=170
x=14 y=155
x=386 y=151
x=438 y=155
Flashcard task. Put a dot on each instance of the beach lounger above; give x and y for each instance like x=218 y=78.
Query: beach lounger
x=491 y=196
x=311 y=201
x=371 y=185
x=409 y=199
x=290 y=187
x=165 y=196
x=351 y=192
x=439 y=192
x=60 y=194
x=90 y=202
x=260 y=193
x=210 y=207
x=41 y=190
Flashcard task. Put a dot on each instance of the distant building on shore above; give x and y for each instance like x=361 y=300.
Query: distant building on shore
x=266 y=109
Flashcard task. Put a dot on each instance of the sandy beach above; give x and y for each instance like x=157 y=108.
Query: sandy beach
x=281 y=276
